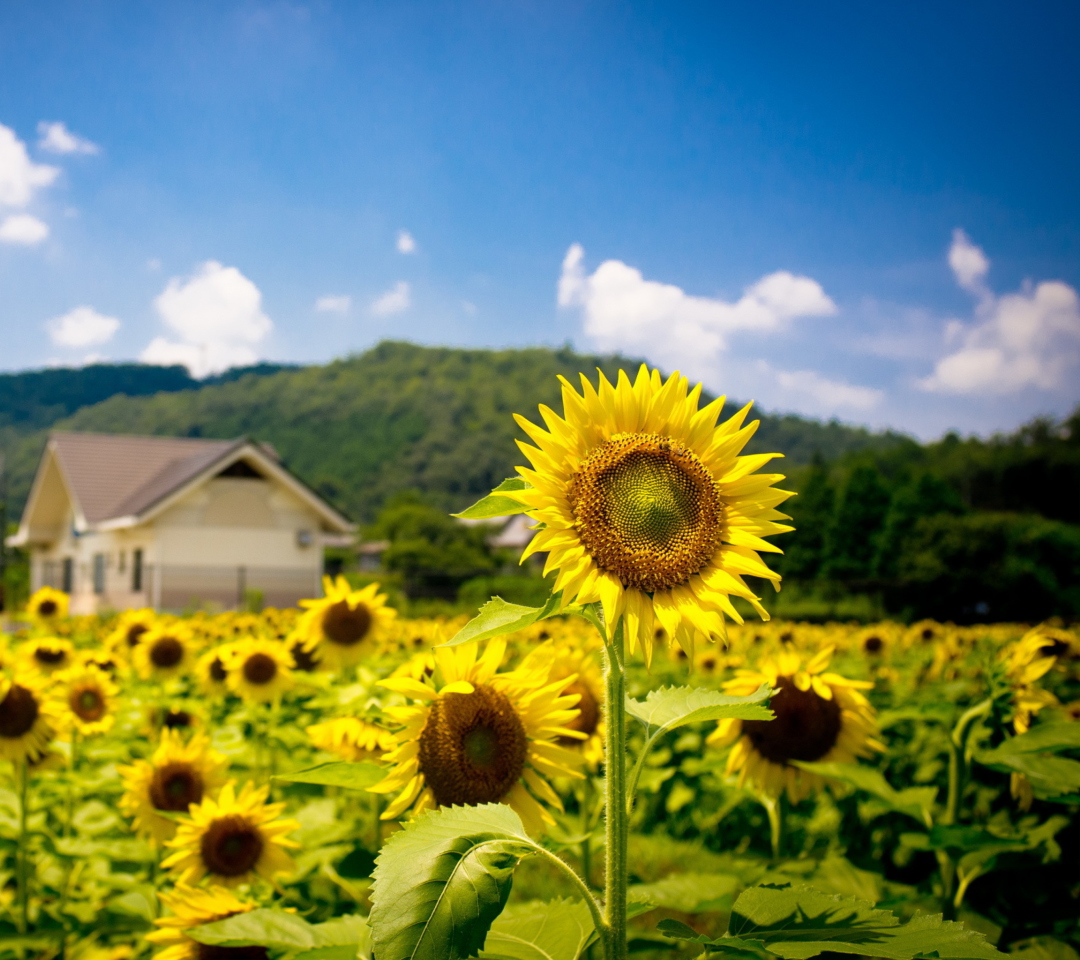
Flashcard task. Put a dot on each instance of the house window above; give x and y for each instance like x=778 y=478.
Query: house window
x=136 y=571
x=48 y=573
x=121 y=562
x=67 y=575
x=99 y=573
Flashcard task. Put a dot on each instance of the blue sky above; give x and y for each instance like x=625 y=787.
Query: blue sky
x=861 y=211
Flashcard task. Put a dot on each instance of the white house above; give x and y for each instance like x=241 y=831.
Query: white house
x=123 y=521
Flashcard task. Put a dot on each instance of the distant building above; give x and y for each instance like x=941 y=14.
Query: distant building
x=122 y=521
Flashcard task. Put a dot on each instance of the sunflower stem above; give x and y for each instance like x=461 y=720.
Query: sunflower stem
x=615 y=799
x=599 y=922
x=775 y=811
x=24 y=893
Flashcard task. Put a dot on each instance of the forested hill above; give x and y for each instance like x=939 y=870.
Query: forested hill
x=397 y=417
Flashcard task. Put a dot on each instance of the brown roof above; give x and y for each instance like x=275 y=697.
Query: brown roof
x=116 y=476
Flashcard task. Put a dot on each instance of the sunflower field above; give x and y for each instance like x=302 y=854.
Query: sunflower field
x=642 y=765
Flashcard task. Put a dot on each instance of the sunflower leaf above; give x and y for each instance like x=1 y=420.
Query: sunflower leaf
x=355 y=776
x=671 y=707
x=559 y=930
x=915 y=802
x=797 y=922
x=257 y=928
x=442 y=880
x=497 y=617
x=687 y=892
x=493 y=505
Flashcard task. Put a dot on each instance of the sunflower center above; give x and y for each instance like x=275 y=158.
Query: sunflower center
x=302 y=658
x=231 y=846
x=589 y=716
x=177 y=718
x=166 y=652
x=806 y=727
x=259 y=668
x=47 y=608
x=88 y=704
x=217 y=670
x=647 y=510
x=18 y=711
x=472 y=749
x=135 y=631
x=345 y=625
x=873 y=644
x=208 y=951
x=48 y=656
x=175 y=787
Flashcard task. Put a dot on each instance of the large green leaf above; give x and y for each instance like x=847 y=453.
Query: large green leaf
x=441 y=881
x=559 y=930
x=344 y=938
x=671 y=707
x=1050 y=776
x=916 y=802
x=497 y=617
x=493 y=505
x=687 y=892
x=356 y=776
x=797 y=922
x=1049 y=737
x=261 y=928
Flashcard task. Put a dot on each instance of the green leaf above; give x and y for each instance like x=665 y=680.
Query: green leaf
x=493 y=505
x=344 y=938
x=1048 y=737
x=497 y=617
x=442 y=880
x=355 y=776
x=797 y=922
x=1050 y=776
x=559 y=930
x=735 y=947
x=916 y=802
x=257 y=928
x=687 y=892
x=671 y=707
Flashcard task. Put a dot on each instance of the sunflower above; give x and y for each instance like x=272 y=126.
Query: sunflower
x=85 y=698
x=27 y=720
x=342 y=627
x=129 y=630
x=211 y=673
x=646 y=507
x=478 y=736
x=164 y=652
x=577 y=664
x=820 y=717
x=48 y=655
x=257 y=669
x=192 y=907
x=304 y=657
x=352 y=739
x=48 y=604
x=176 y=776
x=232 y=839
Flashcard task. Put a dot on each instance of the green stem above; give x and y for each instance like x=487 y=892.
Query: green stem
x=23 y=862
x=776 y=823
x=602 y=930
x=635 y=774
x=615 y=806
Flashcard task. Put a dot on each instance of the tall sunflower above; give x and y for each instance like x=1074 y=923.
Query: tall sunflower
x=85 y=698
x=164 y=652
x=258 y=669
x=192 y=907
x=27 y=721
x=820 y=717
x=47 y=604
x=646 y=506
x=478 y=736
x=175 y=777
x=232 y=839
x=343 y=627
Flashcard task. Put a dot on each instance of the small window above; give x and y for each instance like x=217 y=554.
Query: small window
x=136 y=570
x=121 y=562
x=99 y=573
x=67 y=575
x=48 y=573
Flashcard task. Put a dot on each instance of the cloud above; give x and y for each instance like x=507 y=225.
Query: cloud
x=405 y=242
x=817 y=394
x=624 y=311
x=82 y=327
x=20 y=177
x=333 y=304
x=23 y=229
x=395 y=300
x=218 y=315
x=1030 y=338
x=56 y=138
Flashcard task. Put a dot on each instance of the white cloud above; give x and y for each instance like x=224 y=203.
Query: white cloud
x=20 y=177
x=817 y=394
x=1030 y=338
x=395 y=300
x=82 y=327
x=218 y=316
x=23 y=229
x=624 y=311
x=405 y=242
x=56 y=138
x=333 y=304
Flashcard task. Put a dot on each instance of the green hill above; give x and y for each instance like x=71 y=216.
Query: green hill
x=397 y=417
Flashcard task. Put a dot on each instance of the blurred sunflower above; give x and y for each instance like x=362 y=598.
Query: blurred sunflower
x=192 y=907
x=210 y=671
x=259 y=670
x=342 y=628
x=176 y=776
x=577 y=664
x=165 y=652
x=85 y=698
x=303 y=656
x=646 y=507
x=232 y=839
x=820 y=717
x=352 y=739
x=27 y=720
x=48 y=655
x=129 y=630
x=47 y=604
x=478 y=736
x=1027 y=661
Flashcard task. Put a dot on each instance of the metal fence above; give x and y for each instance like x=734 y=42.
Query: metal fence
x=176 y=587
